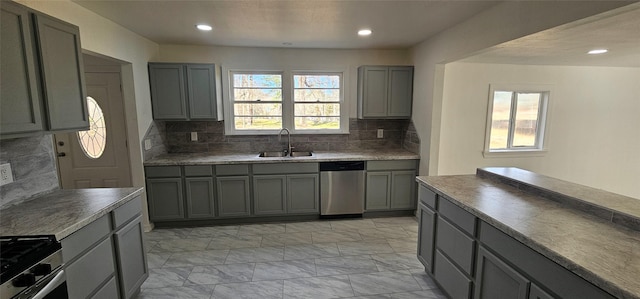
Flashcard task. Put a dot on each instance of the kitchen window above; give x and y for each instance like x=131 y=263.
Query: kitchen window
x=516 y=119
x=305 y=102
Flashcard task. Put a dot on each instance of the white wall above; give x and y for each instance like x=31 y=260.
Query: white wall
x=294 y=59
x=592 y=135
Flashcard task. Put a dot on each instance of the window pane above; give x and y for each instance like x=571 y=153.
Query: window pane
x=317 y=123
x=258 y=123
x=265 y=94
x=316 y=81
x=317 y=109
x=317 y=95
x=526 y=119
x=500 y=119
x=257 y=80
x=257 y=109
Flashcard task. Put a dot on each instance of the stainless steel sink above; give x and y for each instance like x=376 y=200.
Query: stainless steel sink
x=272 y=154
x=301 y=154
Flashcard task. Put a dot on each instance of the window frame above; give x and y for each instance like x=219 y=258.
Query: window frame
x=232 y=102
x=540 y=147
x=288 y=117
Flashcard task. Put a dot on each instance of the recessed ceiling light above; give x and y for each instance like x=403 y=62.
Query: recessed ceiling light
x=364 y=32
x=204 y=27
x=598 y=51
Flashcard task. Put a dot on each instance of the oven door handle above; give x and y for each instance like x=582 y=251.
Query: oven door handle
x=51 y=285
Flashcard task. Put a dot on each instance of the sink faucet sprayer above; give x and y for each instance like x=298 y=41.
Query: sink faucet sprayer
x=289 y=139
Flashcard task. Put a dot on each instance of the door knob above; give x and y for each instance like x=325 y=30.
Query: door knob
x=60 y=143
x=62 y=154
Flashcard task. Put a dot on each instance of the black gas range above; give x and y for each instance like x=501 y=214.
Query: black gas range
x=31 y=267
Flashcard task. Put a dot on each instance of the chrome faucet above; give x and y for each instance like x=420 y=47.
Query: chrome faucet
x=288 y=150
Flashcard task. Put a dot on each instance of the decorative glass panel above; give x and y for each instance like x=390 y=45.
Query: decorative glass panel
x=94 y=140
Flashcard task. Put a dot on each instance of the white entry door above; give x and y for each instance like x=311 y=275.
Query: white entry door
x=97 y=157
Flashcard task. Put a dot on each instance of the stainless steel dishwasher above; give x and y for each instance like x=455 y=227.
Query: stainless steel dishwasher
x=342 y=188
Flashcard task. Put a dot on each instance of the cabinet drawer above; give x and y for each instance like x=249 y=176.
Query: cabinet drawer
x=455 y=244
x=391 y=165
x=84 y=238
x=454 y=282
x=91 y=270
x=162 y=171
x=242 y=169
x=108 y=291
x=427 y=196
x=285 y=168
x=126 y=212
x=458 y=216
x=198 y=170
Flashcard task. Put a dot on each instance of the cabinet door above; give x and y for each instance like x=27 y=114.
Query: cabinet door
x=497 y=280
x=132 y=263
x=200 y=201
x=426 y=237
x=374 y=85
x=269 y=194
x=403 y=189
x=233 y=196
x=400 y=92
x=201 y=91
x=62 y=74
x=378 y=190
x=303 y=193
x=536 y=292
x=19 y=97
x=165 y=199
x=91 y=270
x=168 y=96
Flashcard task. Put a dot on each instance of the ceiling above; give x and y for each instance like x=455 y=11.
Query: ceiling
x=396 y=24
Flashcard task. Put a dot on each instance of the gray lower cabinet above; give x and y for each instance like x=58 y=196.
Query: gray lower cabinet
x=286 y=194
x=378 y=192
x=200 y=198
x=233 y=196
x=426 y=237
x=403 y=188
x=183 y=91
x=495 y=279
x=91 y=270
x=132 y=263
x=303 y=194
x=390 y=185
x=535 y=292
x=453 y=281
x=165 y=199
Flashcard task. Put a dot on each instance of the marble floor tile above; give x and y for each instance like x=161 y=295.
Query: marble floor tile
x=378 y=296
x=157 y=259
x=286 y=239
x=318 y=287
x=161 y=234
x=409 y=245
x=254 y=255
x=413 y=228
x=428 y=294
x=311 y=251
x=212 y=231
x=424 y=280
x=166 y=277
x=197 y=258
x=364 y=247
x=383 y=283
x=221 y=274
x=186 y=292
x=233 y=242
x=311 y=226
x=345 y=265
x=352 y=224
x=284 y=270
x=261 y=229
x=186 y=244
x=383 y=233
x=396 y=261
x=328 y=236
x=395 y=221
x=249 y=290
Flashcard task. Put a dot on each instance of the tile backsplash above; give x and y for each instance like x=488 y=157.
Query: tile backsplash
x=211 y=138
x=33 y=165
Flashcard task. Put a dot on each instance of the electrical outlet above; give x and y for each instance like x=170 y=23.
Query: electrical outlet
x=194 y=136
x=6 y=176
x=380 y=133
x=147 y=144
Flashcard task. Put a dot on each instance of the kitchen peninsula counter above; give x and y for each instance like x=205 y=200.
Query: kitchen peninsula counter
x=234 y=158
x=62 y=212
x=590 y=232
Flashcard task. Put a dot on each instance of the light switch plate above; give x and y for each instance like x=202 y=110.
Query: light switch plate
x=194 y=136
x=380 y=133
x=6 y=176
x=147 y=144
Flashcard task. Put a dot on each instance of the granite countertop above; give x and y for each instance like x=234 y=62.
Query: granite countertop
x=596 y=249
x=233 y=158
x=62 y=212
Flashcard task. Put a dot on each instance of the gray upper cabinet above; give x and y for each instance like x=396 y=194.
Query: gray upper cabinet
x=19 y=97
x=183 y=91
x=385 y=92
x=41 y=75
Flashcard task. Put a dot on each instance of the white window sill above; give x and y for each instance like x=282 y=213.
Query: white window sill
x=515 y=153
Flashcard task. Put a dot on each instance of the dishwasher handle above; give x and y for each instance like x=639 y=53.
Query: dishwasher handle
x=342 y=166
